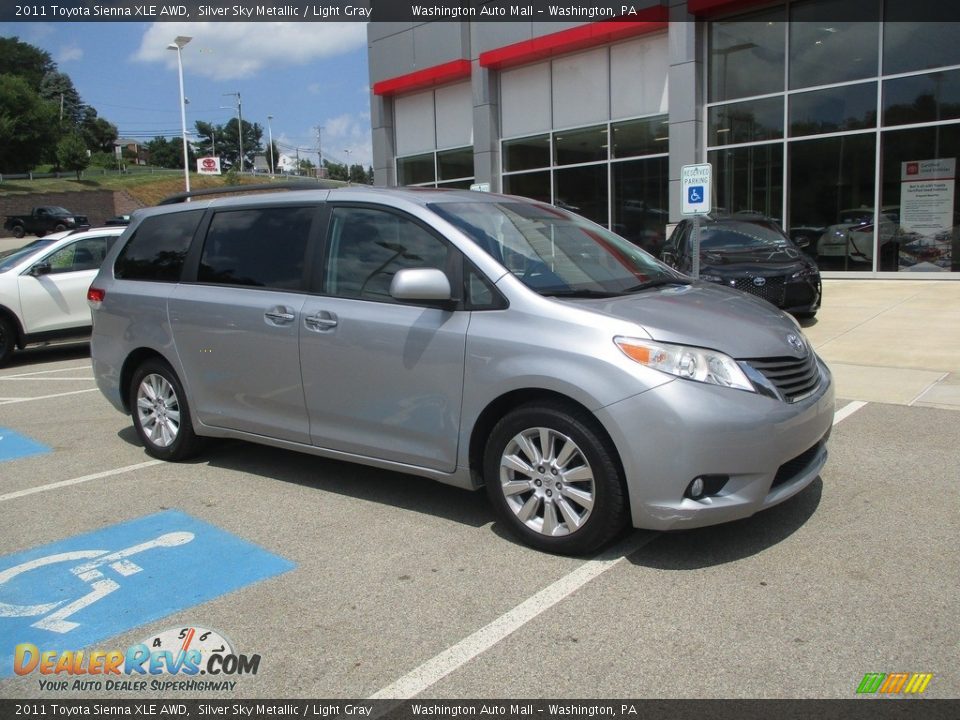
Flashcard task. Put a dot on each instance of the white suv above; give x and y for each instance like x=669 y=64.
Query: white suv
x=43 y=287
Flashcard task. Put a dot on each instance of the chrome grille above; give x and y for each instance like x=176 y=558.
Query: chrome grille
x=771 y=290
x=794 y=378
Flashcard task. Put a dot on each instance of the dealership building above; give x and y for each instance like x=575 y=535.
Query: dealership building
x=840 y=119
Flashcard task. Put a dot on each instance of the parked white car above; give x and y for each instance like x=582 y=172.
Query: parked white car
x=43 y=287
x=852 y=236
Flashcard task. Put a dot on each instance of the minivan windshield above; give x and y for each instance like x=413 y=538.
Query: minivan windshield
x=557 y=253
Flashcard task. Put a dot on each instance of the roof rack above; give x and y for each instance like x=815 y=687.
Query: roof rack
x=302 y=185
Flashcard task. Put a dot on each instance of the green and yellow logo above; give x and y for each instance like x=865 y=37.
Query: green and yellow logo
x=894 y=683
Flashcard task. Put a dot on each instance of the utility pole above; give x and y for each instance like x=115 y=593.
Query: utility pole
x=320 y=172
x=239 y=125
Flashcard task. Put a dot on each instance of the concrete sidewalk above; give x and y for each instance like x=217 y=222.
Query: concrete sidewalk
x=891 y=341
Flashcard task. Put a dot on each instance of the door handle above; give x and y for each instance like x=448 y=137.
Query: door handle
x=279 y=316
x=321 y=321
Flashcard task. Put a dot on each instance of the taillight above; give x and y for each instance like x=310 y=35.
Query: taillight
x=95 y=296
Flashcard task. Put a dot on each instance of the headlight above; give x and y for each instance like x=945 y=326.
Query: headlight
x=690 y=363
x=806 y=272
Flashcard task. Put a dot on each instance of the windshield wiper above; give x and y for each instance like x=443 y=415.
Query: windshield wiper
x=570 y=293
x=657 y=282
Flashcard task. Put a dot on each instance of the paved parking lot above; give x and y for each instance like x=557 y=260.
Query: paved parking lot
x=393 y=586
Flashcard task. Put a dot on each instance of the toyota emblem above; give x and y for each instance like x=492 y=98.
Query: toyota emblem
x=795 y=342
x=759 y=281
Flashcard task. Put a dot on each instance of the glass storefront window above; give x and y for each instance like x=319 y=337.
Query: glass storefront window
x=532 y=185
x=749 y=179
x=850 y=107
x=746 y=55
x=640 y=202
x=824 y=52
x=831 y=188
x=526 y=153
x=922 y=98
x=649 y=136
x=915 y=36
x=583 y=190
x=920 y=193
x=456 y=163
x=580 y=146
x=748 y=121
x=416 y=169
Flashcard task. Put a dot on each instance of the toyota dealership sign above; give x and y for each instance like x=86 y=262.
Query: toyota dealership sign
x=208 y=166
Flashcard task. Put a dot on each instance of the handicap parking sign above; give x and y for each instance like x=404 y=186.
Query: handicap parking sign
x=87 y=588
x=696 y=189
x=695 y=194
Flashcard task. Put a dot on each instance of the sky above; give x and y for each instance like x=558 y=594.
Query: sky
x=303 y=74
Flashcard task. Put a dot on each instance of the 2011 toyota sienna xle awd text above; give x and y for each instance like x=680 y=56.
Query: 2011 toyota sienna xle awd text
x=467 y=337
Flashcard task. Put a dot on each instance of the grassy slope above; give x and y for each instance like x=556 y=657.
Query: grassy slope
x=148 y=188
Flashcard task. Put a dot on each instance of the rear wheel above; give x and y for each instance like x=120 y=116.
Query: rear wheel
x=554 y=480
x=8 y=340
x=161 y=415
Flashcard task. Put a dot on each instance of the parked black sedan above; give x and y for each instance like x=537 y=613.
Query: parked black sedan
x=751 y=254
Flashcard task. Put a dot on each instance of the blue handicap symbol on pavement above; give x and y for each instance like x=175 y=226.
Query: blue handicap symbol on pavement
x=79 y=591
x=14 y=445
x=695 y=194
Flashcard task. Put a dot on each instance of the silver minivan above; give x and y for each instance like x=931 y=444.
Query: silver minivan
x=473 y=338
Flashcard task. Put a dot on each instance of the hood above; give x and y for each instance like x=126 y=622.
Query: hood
x=772 y=258
x=705 y=315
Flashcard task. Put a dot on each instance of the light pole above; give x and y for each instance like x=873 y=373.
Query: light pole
x=177 y=45
x=270 y=136
x=239 y=127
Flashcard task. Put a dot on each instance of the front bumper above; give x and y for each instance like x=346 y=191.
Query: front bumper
x=666 y=437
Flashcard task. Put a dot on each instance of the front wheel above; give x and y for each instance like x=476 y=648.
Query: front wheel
x=161 y=415
x=60 y=227
x=18 y=231
x=553 y=477
x=8 y=340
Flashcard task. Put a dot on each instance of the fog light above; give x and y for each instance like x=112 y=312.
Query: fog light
x=695 y=490
x=705 y=485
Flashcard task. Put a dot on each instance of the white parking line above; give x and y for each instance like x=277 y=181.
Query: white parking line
x=46 y=379
x=439 y=666
x=847 y=410
x=78 y=480
x=45 y=372
x=11 y=401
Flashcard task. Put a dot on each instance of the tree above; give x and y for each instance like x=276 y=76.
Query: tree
x=369 y=174
x=99 y=134
x=28 y=125
x=336 y=171
x=57 y=87
x=228 y=141
x=358 y=175
x=25 y=60
x=72 y=154
x=165 y=153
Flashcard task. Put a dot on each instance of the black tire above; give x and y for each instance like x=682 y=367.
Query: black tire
x=556 y=486
x=8 y=340
x=18 y=231
x=60 y=227
x=157 y=400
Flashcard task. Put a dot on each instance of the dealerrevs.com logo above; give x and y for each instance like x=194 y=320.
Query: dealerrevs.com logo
x=184 y=653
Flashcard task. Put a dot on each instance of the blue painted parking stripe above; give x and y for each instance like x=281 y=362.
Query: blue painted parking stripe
x=82 y=590
x=14 y=445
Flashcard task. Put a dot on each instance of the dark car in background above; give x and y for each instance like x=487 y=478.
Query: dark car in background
x=751 y=254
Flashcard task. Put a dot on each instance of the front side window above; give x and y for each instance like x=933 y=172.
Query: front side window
x=158 y=247
x=367 y=247
x=554 y=252
x=263 y=247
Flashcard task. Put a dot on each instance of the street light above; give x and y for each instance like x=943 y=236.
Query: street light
x=177 y=45
x=270 y=135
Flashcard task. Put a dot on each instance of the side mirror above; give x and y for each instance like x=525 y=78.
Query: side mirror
x=421 y=285
x=41 y=268
x=802 y=241
x=668 y=257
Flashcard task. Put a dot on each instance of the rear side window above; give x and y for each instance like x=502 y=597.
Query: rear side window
x=158 y=247
x=263 y=247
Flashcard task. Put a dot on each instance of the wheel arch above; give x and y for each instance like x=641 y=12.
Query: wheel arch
x=500 y=406
x=134 y=360
x=10 y=316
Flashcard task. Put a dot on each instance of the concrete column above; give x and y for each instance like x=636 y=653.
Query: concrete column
x=384 y=145
x=686 y=97
x=486 y=125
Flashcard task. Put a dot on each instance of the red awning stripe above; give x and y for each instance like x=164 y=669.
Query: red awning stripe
x=422 y=79
x=712 y=7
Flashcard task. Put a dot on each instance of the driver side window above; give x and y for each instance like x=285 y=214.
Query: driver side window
x=367 y=247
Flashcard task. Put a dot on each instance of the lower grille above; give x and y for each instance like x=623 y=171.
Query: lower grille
x=792 y=468
x=794 y=378
x=772 y=289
